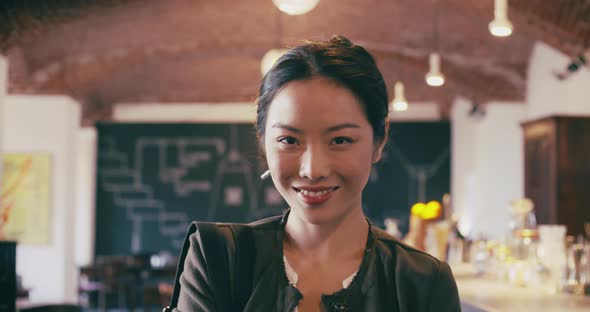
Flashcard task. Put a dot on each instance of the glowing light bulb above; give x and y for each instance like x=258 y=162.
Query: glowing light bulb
x=434 y=77
x=500 y=26
x=296 y=7
x=399 y=101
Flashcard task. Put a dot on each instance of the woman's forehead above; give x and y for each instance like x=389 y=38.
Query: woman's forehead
x=316 y=100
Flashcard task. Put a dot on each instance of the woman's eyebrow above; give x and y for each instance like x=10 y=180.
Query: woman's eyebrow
x=287 y=127
x=330 y=129
x=342 y=126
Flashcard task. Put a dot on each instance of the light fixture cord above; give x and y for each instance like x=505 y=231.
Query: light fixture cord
x=400 y=65
x=435 y=25
x=279 y=29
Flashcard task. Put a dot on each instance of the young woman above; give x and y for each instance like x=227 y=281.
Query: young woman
x=322 y=124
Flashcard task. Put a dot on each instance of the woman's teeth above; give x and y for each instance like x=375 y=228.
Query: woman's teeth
x=318 y=193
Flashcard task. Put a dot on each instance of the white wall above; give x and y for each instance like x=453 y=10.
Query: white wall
x=47 y=124
x=487 y=166
x=3 y=87
x=185 y=112
x=463 y=164
x=85 y=196
x=546 y=95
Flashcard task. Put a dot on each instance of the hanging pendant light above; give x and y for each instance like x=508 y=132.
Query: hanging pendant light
x=399 y=102
x=296 y=7
x=269 y=59
x=500 y=26
x=434 y=77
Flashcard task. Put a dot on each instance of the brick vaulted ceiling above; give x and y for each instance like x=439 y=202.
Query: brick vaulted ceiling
x=105 y=52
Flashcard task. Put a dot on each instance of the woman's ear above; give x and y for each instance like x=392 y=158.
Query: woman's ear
x=378 y=151
x=379 y=146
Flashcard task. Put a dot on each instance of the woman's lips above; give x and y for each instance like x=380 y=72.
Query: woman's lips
x=315 y=195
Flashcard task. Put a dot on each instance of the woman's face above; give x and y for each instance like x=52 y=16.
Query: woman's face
x=319 y=147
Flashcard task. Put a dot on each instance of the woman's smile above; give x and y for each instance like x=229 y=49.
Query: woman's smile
x=315 y=196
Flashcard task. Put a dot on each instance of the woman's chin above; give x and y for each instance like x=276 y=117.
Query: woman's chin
x=318 y=215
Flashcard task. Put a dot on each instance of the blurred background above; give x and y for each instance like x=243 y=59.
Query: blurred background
x=122 y=121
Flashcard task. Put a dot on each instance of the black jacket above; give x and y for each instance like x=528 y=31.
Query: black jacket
x=392 y=277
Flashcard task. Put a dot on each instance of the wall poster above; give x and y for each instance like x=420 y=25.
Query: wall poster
x=25 y=195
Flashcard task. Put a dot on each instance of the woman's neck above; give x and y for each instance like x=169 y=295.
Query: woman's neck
x=324 y=241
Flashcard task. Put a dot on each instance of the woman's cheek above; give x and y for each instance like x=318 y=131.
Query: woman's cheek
x=356 y=159
x=282 y=164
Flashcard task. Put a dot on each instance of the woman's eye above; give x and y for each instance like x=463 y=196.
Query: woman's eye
x=341 y=140
x=288 y=140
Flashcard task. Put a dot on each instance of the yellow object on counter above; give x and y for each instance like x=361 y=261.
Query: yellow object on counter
x=430 y=211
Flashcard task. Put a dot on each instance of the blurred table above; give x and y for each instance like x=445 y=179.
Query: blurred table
x=22 y=293
x=27 y=305
x=124 y=282
x=492 y=296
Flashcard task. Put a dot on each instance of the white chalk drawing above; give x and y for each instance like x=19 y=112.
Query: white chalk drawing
x=186 y=160
x=418 y=175
x=234 y=196
x=132 y=193
x=173 y=225
x=233 y=163
x=177 y=158
x=128 y=191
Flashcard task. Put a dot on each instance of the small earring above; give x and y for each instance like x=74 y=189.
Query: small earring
x=265 y=175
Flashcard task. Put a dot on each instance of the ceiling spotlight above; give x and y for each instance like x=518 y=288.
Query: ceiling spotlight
x=500 y=26
x=574 y=65
x=296 y=7
x=269 y=59
x=434 y=77
x=399 y=102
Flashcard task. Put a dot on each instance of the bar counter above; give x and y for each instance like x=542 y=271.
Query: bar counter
x=491 y=296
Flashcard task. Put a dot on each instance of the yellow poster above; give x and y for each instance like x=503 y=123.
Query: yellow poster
x=25 y=190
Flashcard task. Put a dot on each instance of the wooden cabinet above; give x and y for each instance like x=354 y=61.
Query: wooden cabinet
x=557 y=170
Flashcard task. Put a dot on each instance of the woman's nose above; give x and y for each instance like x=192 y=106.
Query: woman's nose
x=314 y=163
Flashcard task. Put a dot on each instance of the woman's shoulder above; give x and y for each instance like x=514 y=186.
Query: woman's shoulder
x=267 y=224
x=207 y=233
x=418 y=275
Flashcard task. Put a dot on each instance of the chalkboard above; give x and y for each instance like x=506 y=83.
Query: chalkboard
x=416 y=166
x=153 y=179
